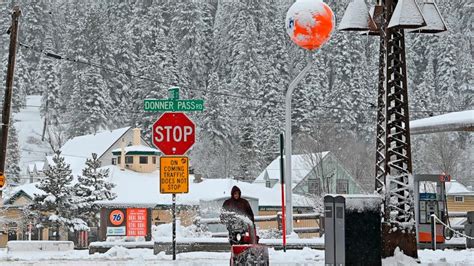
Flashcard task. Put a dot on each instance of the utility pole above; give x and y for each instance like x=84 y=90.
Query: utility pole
x=8 y=93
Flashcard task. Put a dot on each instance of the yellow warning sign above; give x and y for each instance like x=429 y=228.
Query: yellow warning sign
x=174 y=174
x=2 y=180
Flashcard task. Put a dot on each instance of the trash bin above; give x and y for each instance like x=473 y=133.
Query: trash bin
x=353 y=230
x=469 y=229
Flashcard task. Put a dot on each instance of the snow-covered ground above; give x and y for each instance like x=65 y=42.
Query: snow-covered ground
x=123 y=256
x=29 y=125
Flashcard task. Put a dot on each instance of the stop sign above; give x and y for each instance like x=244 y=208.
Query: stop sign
x=173 y=133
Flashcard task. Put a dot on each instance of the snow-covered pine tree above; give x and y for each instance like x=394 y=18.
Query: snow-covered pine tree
x=33 y=31
x=55 y=206
x=90 y=105
x=157 y=62
x=48 y=78
x=215 y=132
x=274 y=78
x=244 y=79
x=189 y=26
x=125 y=60
x=21 y=83
x=92 y=187
x=13 y=170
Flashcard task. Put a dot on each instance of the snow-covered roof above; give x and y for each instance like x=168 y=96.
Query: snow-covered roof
x=456 y=188
x=137 y=148
x=142 y=189
x=29 y=189
x=456 y=121
x=97 y=143
x=301 y=166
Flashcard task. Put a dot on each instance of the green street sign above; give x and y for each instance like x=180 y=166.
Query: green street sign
x=173 y=103
x=155 y=105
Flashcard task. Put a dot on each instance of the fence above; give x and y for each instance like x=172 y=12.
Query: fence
x=274 y=218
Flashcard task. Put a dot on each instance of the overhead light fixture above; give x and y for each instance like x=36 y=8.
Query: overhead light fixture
x=356 y=17
x=407 y=15
x=434 y=21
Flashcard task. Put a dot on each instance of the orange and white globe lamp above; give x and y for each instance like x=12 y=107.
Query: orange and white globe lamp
x=309 y=23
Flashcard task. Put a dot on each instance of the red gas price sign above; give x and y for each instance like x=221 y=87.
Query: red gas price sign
x=136 y=222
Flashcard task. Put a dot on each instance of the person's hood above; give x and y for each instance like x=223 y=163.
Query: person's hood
x=234 y=189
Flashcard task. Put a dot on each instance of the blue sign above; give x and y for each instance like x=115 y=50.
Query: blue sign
x=427 y=196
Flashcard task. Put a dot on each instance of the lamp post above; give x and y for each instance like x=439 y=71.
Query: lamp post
x=288 y=149
x=389 y=19
x=309 y=23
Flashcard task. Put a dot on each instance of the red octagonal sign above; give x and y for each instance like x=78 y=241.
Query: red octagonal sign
x=173 y=133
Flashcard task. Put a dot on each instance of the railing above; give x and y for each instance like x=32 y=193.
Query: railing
x=272 y=218
x=457 y=215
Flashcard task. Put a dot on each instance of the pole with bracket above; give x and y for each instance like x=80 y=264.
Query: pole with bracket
x=288 y=188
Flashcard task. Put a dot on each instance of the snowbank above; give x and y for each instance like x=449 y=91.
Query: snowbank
x=31 y=246
x=432 y=257
x=306 y=256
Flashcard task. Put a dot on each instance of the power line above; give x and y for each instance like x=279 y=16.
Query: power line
x=240 y=96
x=62 y=154
x=89 y=63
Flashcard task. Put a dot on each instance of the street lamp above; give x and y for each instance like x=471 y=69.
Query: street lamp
x=309 y=23
x=393 y=169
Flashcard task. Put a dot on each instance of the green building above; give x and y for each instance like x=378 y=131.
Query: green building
x=313 y=174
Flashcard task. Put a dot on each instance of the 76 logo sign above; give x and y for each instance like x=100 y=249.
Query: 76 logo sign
x=116 y=217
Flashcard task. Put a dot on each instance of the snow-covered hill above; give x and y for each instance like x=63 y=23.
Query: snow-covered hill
x=29 y=125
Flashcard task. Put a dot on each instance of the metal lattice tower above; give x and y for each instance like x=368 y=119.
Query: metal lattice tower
x=393 y=168
x=393 y=149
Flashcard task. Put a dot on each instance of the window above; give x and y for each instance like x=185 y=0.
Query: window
x=128 y=159
x=314 y=186
x=268 y=183
x=118 y=160
x=143 y=159
x=154 y=159
x=114 y=161
x=342 y=186
x=458 y=199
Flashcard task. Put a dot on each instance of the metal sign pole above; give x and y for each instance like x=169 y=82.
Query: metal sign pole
x=173 y=210
x=282 y=181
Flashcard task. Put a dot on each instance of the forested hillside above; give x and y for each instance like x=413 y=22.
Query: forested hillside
x=237 y=57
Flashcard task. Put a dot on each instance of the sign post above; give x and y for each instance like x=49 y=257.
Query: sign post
x=173 y=212
x=173 y=134
x=174 y=178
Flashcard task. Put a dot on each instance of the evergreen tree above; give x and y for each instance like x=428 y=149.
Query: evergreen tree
x=13 y=156
x=91 y=188
x=190 y=31
x=90 y=105
x=56 y=206
x=21 y=82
